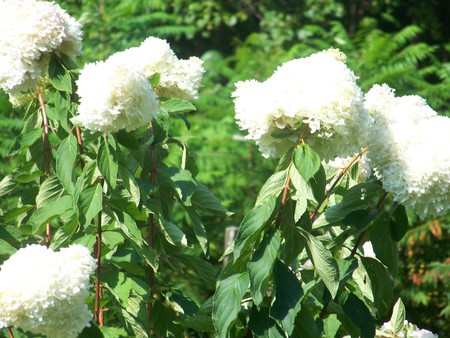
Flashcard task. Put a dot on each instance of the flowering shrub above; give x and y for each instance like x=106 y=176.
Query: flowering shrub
x=103 y=172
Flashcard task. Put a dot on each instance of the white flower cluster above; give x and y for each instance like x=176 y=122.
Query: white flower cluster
x=409 y=150
x=318 y=91
x=114 y=96
x=30 y=31
x=408 y=330
x=364 y=169
x=43 y=292
x=178 y=78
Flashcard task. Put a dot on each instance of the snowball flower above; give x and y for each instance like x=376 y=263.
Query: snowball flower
x=30 y=31
x=364 y=170
x=114 y=96
x=409 y=151
x=178 y=78
x=43 y=292
x=319 y=92
x=408 y=330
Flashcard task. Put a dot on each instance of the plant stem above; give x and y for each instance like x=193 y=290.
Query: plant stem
x=286 y=188
x=151 y=231
x=80 y=144
x=10 y=334
x=47 y=152
x=336 y=181
x=98 y=312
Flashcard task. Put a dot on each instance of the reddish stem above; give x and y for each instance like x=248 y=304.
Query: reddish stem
x=98 y=312
x=47 y=152
x=286 y=188
x=10 y=334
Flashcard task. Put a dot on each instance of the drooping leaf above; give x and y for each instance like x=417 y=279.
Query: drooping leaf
x=273 y=187
x=25 y=139
x=227 y=301
x=261 y=265
x=318 y=183
x=178 y=106
x=173 y=234
x=199 y=230
x=49 y=211
x=305 y=325
x=59 y=76
x=65 y=162
x=359 y=314
x=288 y=293
x=306 y=161
x=130 y=184
x=107 y=162
x=324 y=263
x=252 y=225
x=264 y=326
x=90 y=204
x=64 y=233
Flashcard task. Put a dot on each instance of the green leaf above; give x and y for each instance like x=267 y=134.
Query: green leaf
x=398 y=316
x=305 y=326
x=380 y=283
x=59 y=76
x=107 y=162
x=177 y=106
x=64 y=233
x=261 y=265
x=399 y=223
x=306 y=161
x=252 y=225
x=384 y=247
x=48 y=212
x=204 y=270
x=359 y=315
x=127 y=139
x=199 y=323
x=92 y=331
x=164 y=321
x=25 y=139
x=204 y=200
x=264 y=326
x=130 y=184
x=173 y=234
x=331 y=326
x=199 y=230
x=65 y=162
x=318 y=183
x=273 y=187
x=50 y=190
x=7 y=184
x=90 y=203
x=6 y=250
x=324 y=263
x=227 y=302
x=288 y=293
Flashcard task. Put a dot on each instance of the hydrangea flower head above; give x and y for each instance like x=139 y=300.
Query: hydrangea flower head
x=409 y=151
x=114 y=96
x=319 y=92
x=43 y=292
x=408 y=330
x=178 y=78
x=30 y=31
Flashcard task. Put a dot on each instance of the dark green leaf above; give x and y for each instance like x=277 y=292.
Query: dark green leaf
x=306 y=161
x=64 y=233
x=227 y=302
x=359 y=315
x=204 y=200
x=59 y=76
x=318 y=183
x=273 y=187
x=173 y=234
x=25 y=139
x=199 y=323
x=399 y=223
x=288 y=294
x=90 y=203
x=65 y=162
x=51 y=210
x=305 y=325
x=199 y=230
x=91 y=331
x=261 y=265
x=264 y=326
x=252 y=225
x=126 y=139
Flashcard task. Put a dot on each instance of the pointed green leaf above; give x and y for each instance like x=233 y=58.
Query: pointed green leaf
x=65 y=162
x=107 y=162
x=25 y=139
x=252 y=225
x=324 y=263
x=306 y=161
x=173 y=234
x=359 y=315
x=399 y=223
x=227 y=302
x=178 y=106
x=273 y=187
x=59 y=76
x=204 y=200
x=50 y=190
x=331 y=326
x=48 y=212
x=90 y=204
x=398 y=316
x=261 y=265
x=288 y=293
x=133 y=192
x=199 y=230
x=305 y=325
x=264 y=326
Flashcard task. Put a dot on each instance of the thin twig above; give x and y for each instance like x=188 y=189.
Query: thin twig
x=98 y=312
x=10 y=334
x=336 y=181
x=47 y=152
x=286 y=188
x=151 y=230
x=80 y=144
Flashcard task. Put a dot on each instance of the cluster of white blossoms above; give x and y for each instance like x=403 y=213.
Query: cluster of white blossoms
x=44 y=292
x=408 y=330
x=409 y=150
x=114 y=96
x=178 y=78
x=30 y=31
x=319 y=92
x=364 y=169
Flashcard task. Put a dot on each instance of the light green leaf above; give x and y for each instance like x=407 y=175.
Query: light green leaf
x=306 y=161
x=65 y=162
x=173 y=234
x=25 y=139
x=324 y=263
x=331 y=325
x=130 y=184
x=288 y=294
x=178 y=106
x=107 y=162
x=64 y=233
x=252 y=225
x=90 y=203
x=227 y=301
x=50 y=190
x=273 y=186
x=7 y=184
x=398 y=316
x=261 y=265
x=49 y=211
